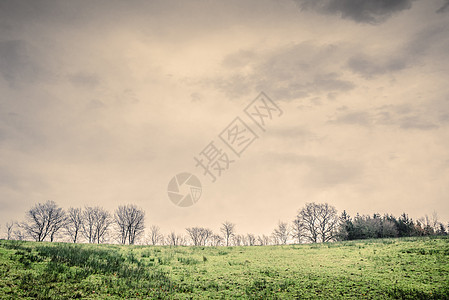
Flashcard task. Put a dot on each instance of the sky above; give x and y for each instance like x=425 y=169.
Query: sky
x=102 y=103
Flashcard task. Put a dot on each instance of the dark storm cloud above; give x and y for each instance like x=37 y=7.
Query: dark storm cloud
x=428 y=44
x=444 y=8
x=286 y=73
x=370 y=66
x=362 y=11
x=431 y=41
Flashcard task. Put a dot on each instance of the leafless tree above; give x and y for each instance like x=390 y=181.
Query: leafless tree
x=74 y=223
x=238 y=240
x=328 y=221
x=171 y=239
x=428 y=225
x=308 y=217
x=251 y=239
x=228 y=230
x=297 y=230
x=130 y=222
x=434 y=221
x=19 y=235
x=199 y=235
x=88 y=223
x=216 y=240
x=174 y=239
x=320 y=222
x=155 y=237
x=275 y=240
x=263 y=240
x=389 y=229
x=9 y=229
x=103 y=221
x=182 y=241
x=59 y=221
x=43 y=220
x=95 y=225
x=281 y=232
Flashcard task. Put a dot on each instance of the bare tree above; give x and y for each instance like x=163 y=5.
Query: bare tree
x=275 y=240
x=174 y=239
x=43 y=220
x=59 y=221
x=19 y=235
x=9 y=229
x=216 y=240
x=245 y=241
x=389 y=229
x=74 y=223
x=428 y=225
x=434 y=221
x=297 y=230
x=102 y=222
x=228 y=230
x=281 y=232
x=88 y=223
x=130 y=222
x=251 y=239
x=308 y=217
x=155 y=237
x=182 y=241
x=171 y=239
x=263 y=240
x=199 y=235
x=95 y=225
x=238 y=240
x=328 y=222
x=320 y=222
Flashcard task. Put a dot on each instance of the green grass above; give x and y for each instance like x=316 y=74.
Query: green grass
x=408 y=268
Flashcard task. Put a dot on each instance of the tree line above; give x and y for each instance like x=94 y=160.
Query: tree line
x=314 y=223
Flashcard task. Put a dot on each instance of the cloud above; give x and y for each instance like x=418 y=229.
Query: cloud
x=240 y=59
x=294 y=132
x=286 y=73
x=427 y=45
x=444 y=8
x=370 y=67
x=322 y=171
x=366 y=11
x=354 y=118
x=427 y=116
x=17 y=64
x=416 y=122
x=84 y=79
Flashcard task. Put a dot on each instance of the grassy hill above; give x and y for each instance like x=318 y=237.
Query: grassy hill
x=408 y=268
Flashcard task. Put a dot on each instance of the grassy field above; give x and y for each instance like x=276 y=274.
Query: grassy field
x=409 y=268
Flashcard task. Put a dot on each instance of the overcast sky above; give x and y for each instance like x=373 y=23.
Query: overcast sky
x=103 y=102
